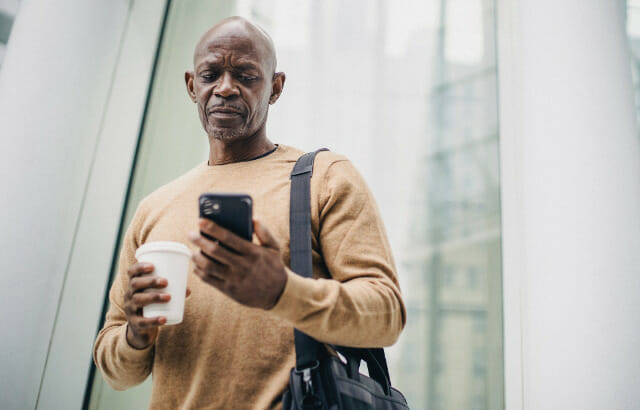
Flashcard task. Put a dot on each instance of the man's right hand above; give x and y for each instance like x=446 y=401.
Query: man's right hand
x=142 y=331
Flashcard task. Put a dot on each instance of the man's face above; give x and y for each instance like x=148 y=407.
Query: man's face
x=232 y=83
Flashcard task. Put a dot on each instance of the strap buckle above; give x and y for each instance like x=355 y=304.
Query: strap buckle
x=307 y=382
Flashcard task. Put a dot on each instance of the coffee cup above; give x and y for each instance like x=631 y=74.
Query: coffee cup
x=170 y=261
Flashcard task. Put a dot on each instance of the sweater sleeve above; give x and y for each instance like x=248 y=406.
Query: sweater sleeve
x=122 y=365
x=361 y=305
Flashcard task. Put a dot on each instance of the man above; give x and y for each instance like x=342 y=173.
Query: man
x=234 y=348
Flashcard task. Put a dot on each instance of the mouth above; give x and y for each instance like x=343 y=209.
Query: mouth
x=225 y=111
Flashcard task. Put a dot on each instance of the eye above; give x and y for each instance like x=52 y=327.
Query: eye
x=246 y=78
x=208 y=75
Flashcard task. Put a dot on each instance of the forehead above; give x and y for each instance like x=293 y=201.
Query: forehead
x=234 y=44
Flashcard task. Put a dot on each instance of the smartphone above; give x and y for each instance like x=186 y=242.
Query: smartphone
x=231 y=211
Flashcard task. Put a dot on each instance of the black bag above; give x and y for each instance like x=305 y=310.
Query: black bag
x=321 y=380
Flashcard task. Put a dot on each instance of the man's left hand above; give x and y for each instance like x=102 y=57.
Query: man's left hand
x=251 y=274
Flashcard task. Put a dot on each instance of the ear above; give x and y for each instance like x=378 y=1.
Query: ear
x=276 y=87
x=188 y=80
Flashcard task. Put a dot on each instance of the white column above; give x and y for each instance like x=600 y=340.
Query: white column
x=570 y=161
x=54 y=84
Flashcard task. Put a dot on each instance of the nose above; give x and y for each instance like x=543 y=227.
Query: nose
x=226 y=86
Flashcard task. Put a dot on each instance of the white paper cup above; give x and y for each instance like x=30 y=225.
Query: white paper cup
x=171 y=261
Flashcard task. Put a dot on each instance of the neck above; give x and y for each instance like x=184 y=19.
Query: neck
x=225 y=152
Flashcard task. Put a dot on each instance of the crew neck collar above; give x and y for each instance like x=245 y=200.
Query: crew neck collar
x=261 y=156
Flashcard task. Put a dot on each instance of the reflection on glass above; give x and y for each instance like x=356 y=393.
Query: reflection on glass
x=8 y=11
x=407 y=90
x=633 y=33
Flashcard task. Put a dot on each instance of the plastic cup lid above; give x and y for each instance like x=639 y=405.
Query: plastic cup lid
x=163 y=246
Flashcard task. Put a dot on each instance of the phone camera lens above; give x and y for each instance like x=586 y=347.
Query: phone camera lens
x=210 y=207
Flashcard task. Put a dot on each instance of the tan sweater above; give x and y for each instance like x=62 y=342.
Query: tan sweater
x=228 y=356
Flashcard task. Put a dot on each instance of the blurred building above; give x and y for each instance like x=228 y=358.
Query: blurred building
x=499 y=138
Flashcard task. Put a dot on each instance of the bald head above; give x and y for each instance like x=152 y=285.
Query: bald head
x=246 y=34
x=233 y=81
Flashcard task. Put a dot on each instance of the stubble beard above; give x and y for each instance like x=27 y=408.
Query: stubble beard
x=230 y=134
x=226 y=134
x=222 y=134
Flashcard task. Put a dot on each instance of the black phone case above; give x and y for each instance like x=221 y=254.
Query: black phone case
x=231 y=211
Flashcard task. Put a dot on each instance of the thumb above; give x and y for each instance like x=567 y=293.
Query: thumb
x=264 y=236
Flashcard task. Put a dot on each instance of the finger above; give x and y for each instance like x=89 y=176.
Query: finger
x=213 y=249
x=129 y=309
x=141 y=283
x=140 y=268
x=215 y=281
x=141 y=322
x=143 y=299
x=225 y=236
x=264 y=236
x=209 y=266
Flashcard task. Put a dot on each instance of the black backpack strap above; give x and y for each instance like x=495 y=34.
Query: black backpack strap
x=307 y=348
x=300 y=244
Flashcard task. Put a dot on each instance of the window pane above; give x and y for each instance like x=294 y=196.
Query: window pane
x=8 y=11
x=633 y=33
